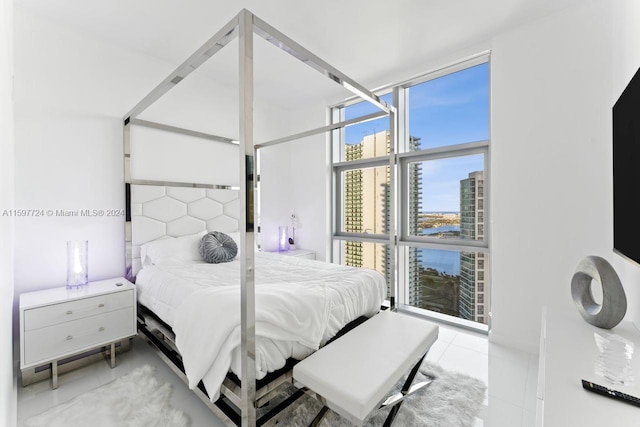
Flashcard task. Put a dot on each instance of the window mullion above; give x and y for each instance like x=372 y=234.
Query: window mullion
x=430 y=254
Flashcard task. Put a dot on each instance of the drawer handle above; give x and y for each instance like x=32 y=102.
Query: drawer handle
x=70 y=312
x=100 y=329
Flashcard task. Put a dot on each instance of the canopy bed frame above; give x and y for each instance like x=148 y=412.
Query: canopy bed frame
x=243 y=26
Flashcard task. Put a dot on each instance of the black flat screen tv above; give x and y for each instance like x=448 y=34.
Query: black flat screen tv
x=626 y=171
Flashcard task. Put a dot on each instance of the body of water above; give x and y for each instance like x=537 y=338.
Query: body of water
x=444 y=261
x=436 y=230
x=447 y=262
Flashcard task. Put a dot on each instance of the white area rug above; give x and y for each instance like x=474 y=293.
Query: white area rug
x=137 y=399
x=452 y=400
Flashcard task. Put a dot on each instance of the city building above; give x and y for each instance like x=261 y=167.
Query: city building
x=366 y=197
x=474 y=295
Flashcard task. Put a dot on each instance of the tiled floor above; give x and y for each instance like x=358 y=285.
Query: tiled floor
x=510 y=374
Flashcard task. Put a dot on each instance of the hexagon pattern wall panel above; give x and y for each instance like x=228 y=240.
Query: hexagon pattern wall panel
x=159 y=212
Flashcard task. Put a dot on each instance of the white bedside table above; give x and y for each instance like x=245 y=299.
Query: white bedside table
x=57 y=323
x=300 y=253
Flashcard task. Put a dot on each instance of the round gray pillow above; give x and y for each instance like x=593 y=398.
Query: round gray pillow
x=217 y=247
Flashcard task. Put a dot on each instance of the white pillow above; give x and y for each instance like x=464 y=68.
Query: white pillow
x=235 y=235
x=183 y=248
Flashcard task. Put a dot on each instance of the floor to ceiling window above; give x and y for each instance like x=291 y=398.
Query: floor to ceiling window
x=429 y=193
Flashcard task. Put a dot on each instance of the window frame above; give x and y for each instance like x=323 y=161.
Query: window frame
x=340 y=170
x=398 y=160
x=452 y=151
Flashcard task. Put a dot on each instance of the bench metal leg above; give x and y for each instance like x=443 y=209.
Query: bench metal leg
x=396 y=400
x=318 y=419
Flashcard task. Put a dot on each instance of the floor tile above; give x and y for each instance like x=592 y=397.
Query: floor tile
x=461 y=359
x=447 y=333
x=508 y=374
x=528 y=418
x=471 y=341
x=503 y=414
x=437 y=350
x=530 y=394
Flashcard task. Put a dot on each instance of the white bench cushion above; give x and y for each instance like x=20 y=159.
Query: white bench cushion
x=356 y=372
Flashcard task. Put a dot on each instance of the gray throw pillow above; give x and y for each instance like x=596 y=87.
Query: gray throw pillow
x=217 y=247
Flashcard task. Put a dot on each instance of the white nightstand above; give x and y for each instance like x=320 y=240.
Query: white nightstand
x=300 y=253
x=58 y=323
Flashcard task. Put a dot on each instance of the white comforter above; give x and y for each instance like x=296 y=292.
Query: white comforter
x=300 y=304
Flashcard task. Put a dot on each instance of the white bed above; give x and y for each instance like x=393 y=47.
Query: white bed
x=300 y=304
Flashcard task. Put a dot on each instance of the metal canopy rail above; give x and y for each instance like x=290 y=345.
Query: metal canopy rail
x=183 y=131
x=244 y=26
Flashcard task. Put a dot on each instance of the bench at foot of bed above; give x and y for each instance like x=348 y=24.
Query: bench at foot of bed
x=354 y=374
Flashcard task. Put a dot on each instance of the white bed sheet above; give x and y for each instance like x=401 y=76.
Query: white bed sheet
x=300 y=304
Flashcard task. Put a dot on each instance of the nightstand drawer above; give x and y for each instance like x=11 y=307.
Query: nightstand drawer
x=54 y=342
x=78 y=309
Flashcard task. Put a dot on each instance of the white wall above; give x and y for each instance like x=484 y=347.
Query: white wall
x=551 y=163
x=7 y=379
x=275 y=187
x=294 y=180
x=168 y=156
x=70 y=97
x=71 y=93
x=311 y=191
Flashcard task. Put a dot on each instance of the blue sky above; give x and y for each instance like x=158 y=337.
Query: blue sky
x=449 y=110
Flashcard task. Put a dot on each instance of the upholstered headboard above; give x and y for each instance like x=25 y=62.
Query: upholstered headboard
x=161 y=211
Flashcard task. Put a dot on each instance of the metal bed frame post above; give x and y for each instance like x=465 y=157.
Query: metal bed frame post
x=247 y=262
x=393 y=211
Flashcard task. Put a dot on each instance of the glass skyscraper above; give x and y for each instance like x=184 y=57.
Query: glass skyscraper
x=366 y=201
x=474 y=295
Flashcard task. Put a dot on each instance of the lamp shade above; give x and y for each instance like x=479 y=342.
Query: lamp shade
x=77 y=261
x=283 y=238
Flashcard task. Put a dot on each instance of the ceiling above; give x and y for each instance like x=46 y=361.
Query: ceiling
x=368 y=40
